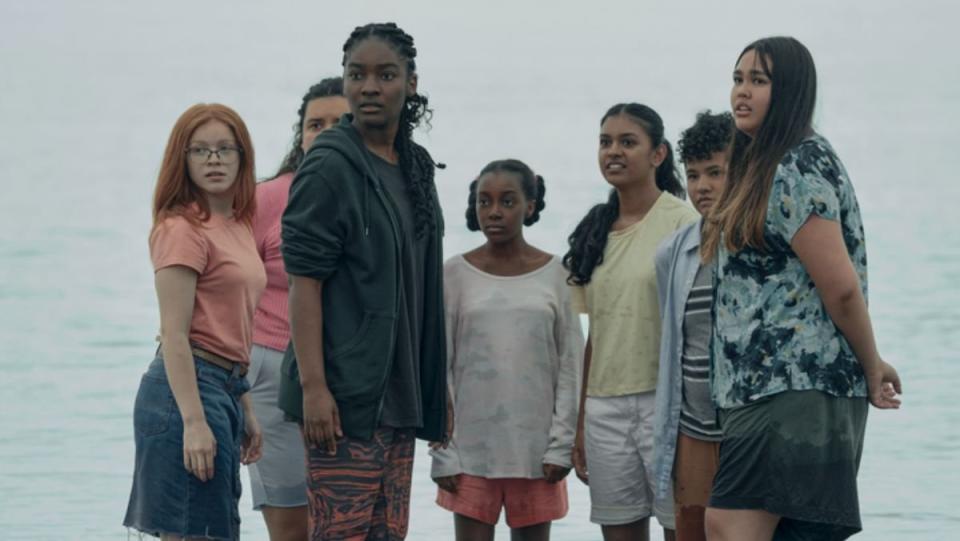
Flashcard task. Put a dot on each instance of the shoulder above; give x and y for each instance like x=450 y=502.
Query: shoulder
x=670 y=205
x=176 y=226
x=275 y=186
x=675 y=239
x=813 y=159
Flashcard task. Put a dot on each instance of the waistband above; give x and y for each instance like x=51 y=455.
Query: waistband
x=217 y=360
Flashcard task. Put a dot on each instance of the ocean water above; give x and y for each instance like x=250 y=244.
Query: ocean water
x=90 y=90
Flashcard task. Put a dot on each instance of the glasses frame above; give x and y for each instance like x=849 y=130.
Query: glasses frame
x=211 y=152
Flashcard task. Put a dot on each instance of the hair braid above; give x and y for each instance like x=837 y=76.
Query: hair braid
x=415 y=162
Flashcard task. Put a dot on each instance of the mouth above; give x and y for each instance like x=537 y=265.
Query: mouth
x=614 y=167
x=370 y=107
x=742 y=109
x=494 y=229
x=215 y=175
x=705 y=203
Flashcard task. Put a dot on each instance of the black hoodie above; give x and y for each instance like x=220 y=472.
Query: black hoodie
x=341 y=227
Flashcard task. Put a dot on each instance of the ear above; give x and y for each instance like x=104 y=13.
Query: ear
x=531 y=206
x=659 y=154
x=412 y=85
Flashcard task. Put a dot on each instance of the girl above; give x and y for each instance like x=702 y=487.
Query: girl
x=686 y=432
x=792 y=333
x=611 y=267
x=362 y=242
x=279 y=479
x=515 y=352
x=193 y=422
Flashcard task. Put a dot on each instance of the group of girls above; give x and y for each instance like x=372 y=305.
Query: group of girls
x=310 y=329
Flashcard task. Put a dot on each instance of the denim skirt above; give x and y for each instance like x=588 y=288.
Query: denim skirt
x=166 y=498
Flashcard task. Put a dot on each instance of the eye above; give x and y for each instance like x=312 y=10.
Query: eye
x=737 y=79
x=508 y=202
x=628 y=143
x=483 y=202
x=759 y=81
x=388 y=76
x=604 y=143
x=354 y=76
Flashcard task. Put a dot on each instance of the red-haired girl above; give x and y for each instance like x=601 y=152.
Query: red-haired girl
x=193 y=424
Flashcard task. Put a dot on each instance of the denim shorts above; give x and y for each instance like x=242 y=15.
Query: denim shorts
x=166 y=498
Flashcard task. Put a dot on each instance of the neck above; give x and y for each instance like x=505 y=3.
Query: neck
x=380 y=141
x=637 y=199
x=506 y=250
x=221 y=205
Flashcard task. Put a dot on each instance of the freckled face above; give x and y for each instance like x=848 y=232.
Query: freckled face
x=216 y=174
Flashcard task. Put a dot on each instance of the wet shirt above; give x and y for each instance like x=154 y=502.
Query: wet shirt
x=402 y=403
x=772 y=332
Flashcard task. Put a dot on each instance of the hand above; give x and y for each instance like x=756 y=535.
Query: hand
x=251 y=447
x=448 y=483
x=448 y=436
x=580 y=457
x=883 y=384
x=553 y=473
x=199 y=449
x=321 y=419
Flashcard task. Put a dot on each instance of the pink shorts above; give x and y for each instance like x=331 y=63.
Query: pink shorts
x=527 y=501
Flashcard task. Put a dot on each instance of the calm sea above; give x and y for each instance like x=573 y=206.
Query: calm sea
x=89 y=91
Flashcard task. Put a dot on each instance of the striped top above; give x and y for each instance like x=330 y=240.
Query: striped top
x=698 y=417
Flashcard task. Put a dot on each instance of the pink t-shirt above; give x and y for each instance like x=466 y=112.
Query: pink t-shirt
x=271 y=327
x=229 y=282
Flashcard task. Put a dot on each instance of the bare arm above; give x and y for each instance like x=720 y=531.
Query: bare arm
x=820 y=247
x=176 y=289
x=579 y=453
x=321 y=419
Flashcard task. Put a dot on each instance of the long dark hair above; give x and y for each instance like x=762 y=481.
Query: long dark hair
x=331 y=86
x=741 y=211
x=531 y=184
x=589 y=239
x=415 y=162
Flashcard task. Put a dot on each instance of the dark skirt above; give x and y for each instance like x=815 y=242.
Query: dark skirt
x=794 y=454
x=166 y=498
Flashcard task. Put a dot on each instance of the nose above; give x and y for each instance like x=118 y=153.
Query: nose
x=370 y=86
x=495 y=212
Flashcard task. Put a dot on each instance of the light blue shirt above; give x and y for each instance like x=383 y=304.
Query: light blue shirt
x=677 y=262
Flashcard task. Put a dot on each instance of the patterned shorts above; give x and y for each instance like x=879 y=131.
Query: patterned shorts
x=363 y=491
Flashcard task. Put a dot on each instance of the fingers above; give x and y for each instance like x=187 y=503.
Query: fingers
x=448 y=483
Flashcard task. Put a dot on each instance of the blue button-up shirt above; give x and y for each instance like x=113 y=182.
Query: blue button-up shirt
x=677 y=262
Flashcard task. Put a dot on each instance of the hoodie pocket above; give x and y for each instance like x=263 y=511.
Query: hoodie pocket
x=356 y=368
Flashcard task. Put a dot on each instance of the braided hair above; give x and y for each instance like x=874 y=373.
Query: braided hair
x=589 y=239
x=331 y=86
x=531 y=184
x=415 y=162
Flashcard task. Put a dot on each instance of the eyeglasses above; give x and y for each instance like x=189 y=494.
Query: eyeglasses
x=224 y=154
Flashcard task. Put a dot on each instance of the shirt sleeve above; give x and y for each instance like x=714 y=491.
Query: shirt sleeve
x=314 y=227
x=570 y=345
x=446 y=462
x=802 y=186
x=175 y=241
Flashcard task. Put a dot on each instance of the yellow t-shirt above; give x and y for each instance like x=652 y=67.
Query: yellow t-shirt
x=621 y=302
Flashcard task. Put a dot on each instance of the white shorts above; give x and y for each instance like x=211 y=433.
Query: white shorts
x=618 y=440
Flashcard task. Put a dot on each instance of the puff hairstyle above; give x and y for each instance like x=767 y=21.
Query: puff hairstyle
x=709 y=134
x=531 y=184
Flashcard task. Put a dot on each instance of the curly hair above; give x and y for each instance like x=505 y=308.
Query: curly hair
x=415 y=162
x=531 y=184
x=589 y=238
x=709 y=134
x=331 y=86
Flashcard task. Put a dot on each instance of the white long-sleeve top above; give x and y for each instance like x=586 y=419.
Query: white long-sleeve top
x=515 y=349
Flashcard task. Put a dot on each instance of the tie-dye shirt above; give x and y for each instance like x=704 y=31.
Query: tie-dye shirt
x=515 y=348
x=772 y=332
